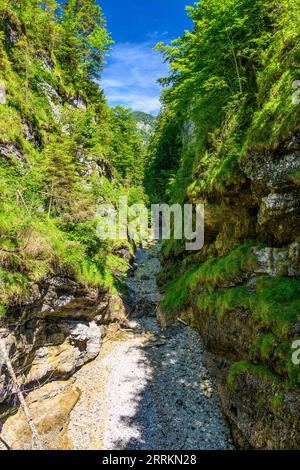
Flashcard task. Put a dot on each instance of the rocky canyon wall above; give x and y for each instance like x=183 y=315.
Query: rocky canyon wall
x=243 y=296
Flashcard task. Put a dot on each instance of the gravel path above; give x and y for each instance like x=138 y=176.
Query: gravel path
x=148 y=389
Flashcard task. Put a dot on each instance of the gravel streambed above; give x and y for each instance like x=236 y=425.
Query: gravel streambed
x=148 y=389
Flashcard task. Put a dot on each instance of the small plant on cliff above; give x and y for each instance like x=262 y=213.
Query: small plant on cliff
x=277 y=402
x=295 y=176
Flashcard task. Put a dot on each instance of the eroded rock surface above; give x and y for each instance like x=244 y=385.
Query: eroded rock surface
x=273 y=188
x=50 y=406
x=58 y=329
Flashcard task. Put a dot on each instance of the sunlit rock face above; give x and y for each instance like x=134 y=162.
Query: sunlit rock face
x=279 y=217
x=59 y=330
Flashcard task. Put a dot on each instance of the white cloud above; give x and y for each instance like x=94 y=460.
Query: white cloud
x=158 y=35
x=130 y=78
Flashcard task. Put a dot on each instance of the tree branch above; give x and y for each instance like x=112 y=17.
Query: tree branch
x=36 y=441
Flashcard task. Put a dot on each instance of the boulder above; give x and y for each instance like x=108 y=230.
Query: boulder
x=66 y=298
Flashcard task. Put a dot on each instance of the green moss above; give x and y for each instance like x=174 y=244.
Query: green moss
x=117 y=265
x=277 y=354
x=89 y=274
x=277 y=402
x=277 y=118
x=177 y=291
x=275 y=303
x=13 y=288
x=2 y=310
x=264 y=347
x=227 y=173
x=227 y=270
x=210 y=275
x=247 y=367
x=295 y=176
x=221 y=302
x=261 y=403
x=222 y=171
x=105 y=270
x=172 y=248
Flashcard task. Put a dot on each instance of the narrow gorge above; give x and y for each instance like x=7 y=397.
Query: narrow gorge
x=133 y=343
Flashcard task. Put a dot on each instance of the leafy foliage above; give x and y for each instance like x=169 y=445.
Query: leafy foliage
x=228 y=93
x=62 y=149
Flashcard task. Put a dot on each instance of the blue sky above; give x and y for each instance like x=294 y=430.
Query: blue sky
x=132 y=70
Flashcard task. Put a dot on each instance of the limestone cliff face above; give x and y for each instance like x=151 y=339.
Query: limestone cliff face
x=57 y=330
x=250 y=319
x=277 y=197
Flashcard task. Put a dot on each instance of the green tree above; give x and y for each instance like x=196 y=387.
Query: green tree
x=126 y=149
x=213 y=73
x=59 y=169
x=84 y=40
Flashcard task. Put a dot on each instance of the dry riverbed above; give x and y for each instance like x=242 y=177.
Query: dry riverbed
x=148 y=389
